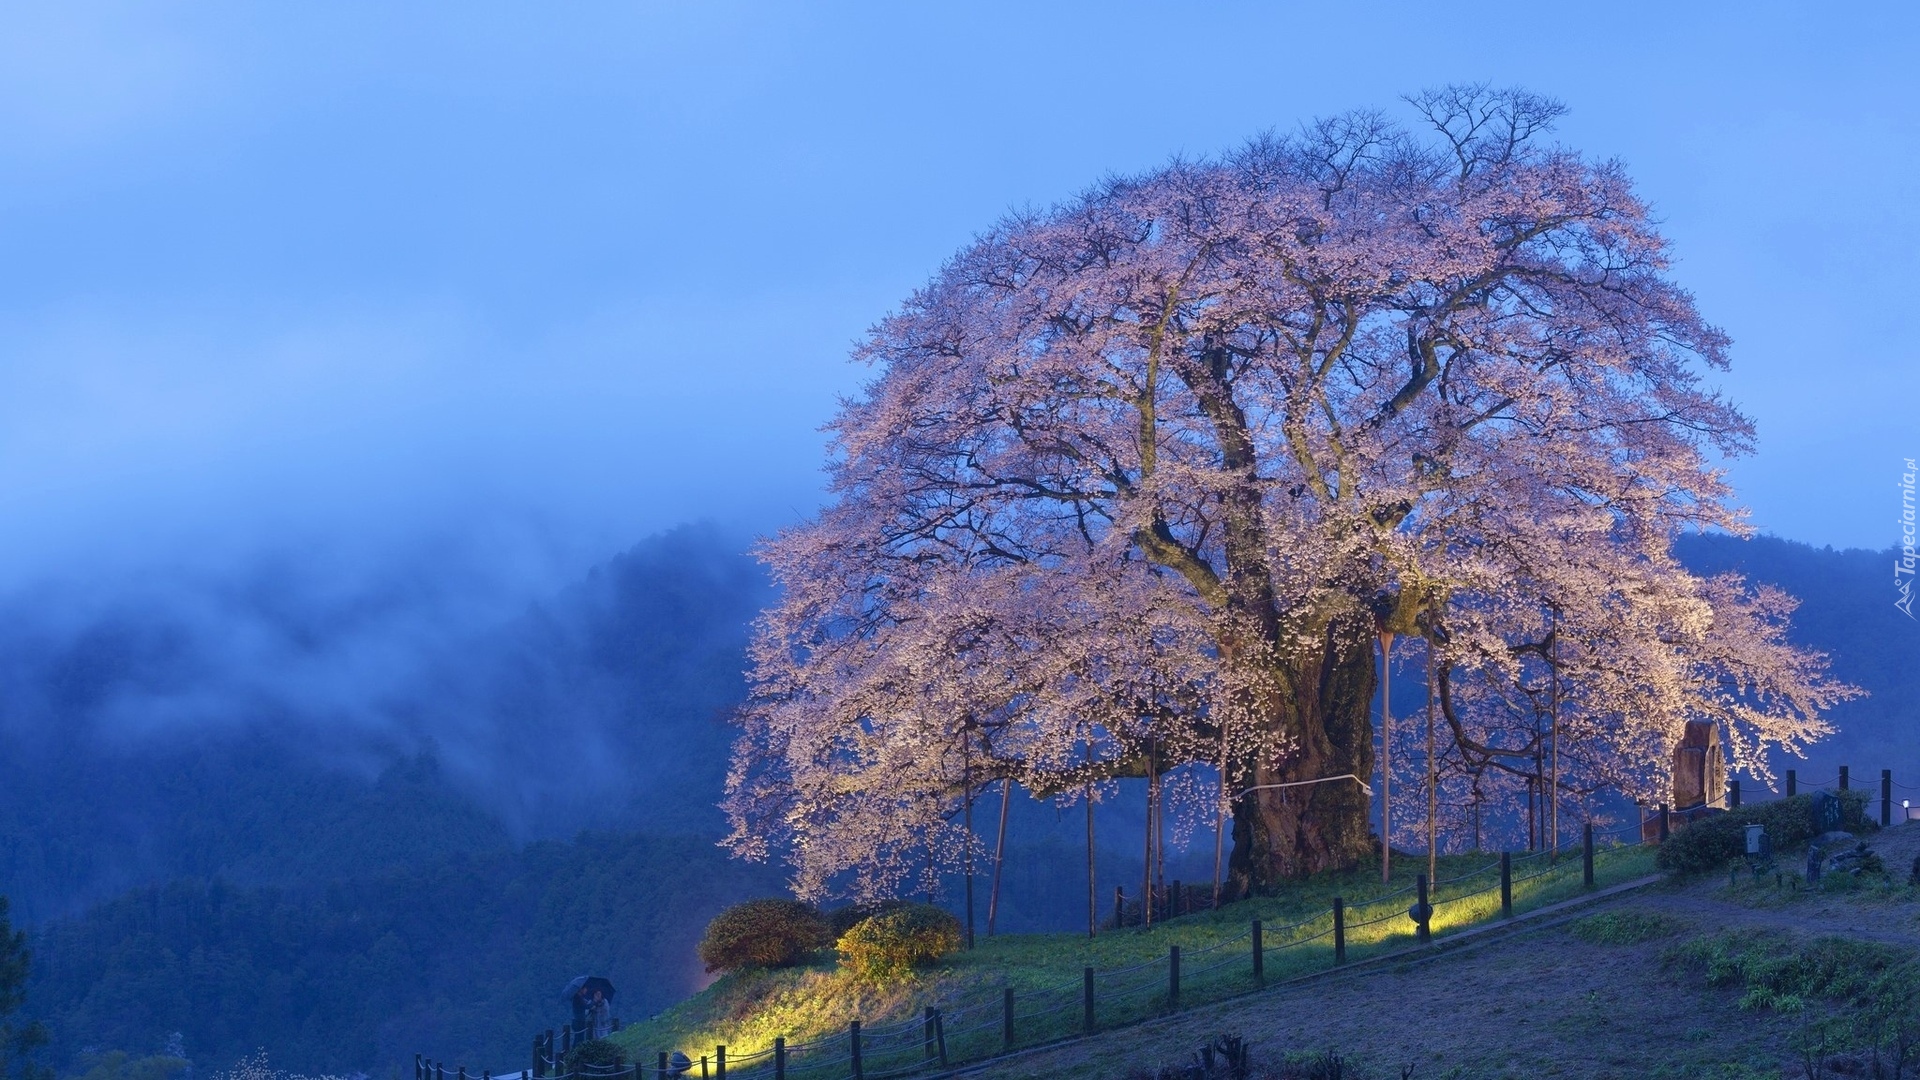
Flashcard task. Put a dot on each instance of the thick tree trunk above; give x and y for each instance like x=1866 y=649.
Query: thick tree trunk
x=1285 y=833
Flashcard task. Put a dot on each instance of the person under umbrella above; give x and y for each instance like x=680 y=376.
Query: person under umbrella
x=582 y=994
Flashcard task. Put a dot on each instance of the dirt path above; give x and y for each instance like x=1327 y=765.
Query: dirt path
x=1531 y=1002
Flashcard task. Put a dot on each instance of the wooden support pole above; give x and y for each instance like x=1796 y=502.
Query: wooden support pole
x=1339 y=931
x=853 y=1043
x=1793 y=783
x=720 y=1062
x=1173 y=976
x=1259 y=954
x=1843 y=778
x=1886 y=797
x=779 y=1057
x=1663 y=823
x=1586 y=854
x=460 y=1073
x=1506 y=884
x=939 y=1035
x=1733 y=794
x=926 y=1033
x=1423 y=911
x=1119 y=907
x=663 y=1066
x=1086 y=1000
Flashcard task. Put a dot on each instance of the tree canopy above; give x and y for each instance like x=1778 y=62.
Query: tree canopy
x=1142 y=477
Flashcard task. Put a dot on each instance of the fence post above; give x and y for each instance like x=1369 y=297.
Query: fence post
x=853 y=1040
x=1586 y=852
x=536 y=1060
x=1793 y=783
x=663 y=1066
x=1086 y=1000
x=1176 y=900
x=939 y=1036
x=779 y=1058
x=1259 y=954
x=461 y=1073
x=439 y=1070
x=1173 y=976
x=1006 y=1019
x=926 y=1032
x=1339 y=930
x=1119 y=907
x=1886 y=797
x=1423 y=911
x=566 y=1040
x=704 y=1074
x=1506 y=884
x=1843 y=778
x=720 y=1062
x=1733 y=794
x=1663 y=823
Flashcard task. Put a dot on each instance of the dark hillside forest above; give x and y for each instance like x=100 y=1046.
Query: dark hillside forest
x=344 y=890
x=1846 y=611
x=460 y=956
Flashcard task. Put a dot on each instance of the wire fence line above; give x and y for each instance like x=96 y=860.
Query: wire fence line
x=990 y=1022
x=986 y=1023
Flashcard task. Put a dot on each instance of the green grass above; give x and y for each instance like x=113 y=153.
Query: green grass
x=1626 y=927
x=1776 y=971
x=746 y=1010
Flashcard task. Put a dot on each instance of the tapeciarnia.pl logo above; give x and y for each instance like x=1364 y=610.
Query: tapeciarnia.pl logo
x=1903 y=566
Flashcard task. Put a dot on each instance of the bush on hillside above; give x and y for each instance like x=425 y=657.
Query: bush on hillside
x=842 y=919
x=775 y=932
x=1708 y=843
x=889 y=946
x=596 y=1053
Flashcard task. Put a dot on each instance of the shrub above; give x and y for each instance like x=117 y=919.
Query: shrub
x=1708 y=843
x=763 y=933
x=890 y=945
x=842 y=919
x=603 y=1053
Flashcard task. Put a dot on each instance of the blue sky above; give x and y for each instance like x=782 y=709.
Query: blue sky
x=544 y=278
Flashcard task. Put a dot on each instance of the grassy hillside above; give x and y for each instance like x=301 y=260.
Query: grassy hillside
x=1693 y=978
x=747 y=1010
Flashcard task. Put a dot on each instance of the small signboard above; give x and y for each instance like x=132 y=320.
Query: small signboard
x=1826 y=812
x=1757 y=840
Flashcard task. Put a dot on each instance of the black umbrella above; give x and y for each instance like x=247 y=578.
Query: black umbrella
x=586 y=984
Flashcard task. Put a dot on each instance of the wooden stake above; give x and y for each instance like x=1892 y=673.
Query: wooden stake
x=1386 y=756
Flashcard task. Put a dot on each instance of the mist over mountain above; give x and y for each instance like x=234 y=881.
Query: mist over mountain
x=269 y=731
